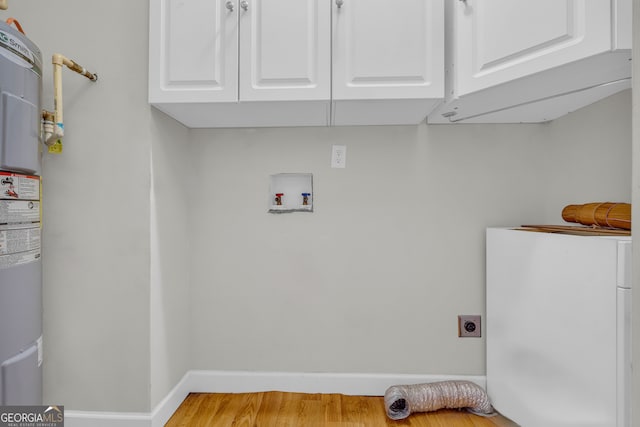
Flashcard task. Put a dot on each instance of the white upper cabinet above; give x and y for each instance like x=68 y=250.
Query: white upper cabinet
x=284 y=50
x=388 y=49
x=193 y=55
x=388 y=60
x=530 y=61
x=210 y=59
x=234 y=63
x=502 y=40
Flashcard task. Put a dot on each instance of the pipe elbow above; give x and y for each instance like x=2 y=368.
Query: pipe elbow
x=48 y=119
x=53 y=133
x=57 y=59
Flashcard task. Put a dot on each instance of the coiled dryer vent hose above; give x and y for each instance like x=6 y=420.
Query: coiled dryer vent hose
x=402 y=400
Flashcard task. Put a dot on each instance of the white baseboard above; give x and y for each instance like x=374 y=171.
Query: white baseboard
x=106 y=419
x=247 y=382
x=349 y=384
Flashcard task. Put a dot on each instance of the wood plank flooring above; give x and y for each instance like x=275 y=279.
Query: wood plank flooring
x=279 y=409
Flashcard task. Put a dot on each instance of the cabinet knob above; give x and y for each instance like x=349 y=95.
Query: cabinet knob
x=229 y=5
x=244 y=4
x=339 y=3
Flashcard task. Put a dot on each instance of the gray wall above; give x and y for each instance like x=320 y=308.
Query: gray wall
x=170 y=255
x=147 y=276
x=374 y=278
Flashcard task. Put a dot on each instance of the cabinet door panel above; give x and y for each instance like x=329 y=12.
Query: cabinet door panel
x=502 y=40
x=285 y=50
x=494 y=45
x=388 y=49
x=197 y=44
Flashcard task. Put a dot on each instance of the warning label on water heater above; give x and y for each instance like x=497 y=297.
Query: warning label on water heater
x=19 y=198
x=16 y=211
x=19 y=187
x=12 y=260
x=19 y=244
x=19 y=238
x=19 y=219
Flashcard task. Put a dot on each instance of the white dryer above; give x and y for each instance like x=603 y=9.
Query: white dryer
x=558 y=328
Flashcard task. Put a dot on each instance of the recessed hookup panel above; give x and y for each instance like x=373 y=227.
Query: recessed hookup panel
x=469 y=326
x=291 y=192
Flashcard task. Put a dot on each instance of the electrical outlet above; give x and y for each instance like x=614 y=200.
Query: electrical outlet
x=469 y=326
x=339 y=156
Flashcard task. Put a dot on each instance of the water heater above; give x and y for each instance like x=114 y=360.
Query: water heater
x=20 y=220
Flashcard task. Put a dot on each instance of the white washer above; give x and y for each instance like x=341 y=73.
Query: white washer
x=558 y=328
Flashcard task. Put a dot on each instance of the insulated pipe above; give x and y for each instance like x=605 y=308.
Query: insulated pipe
x=48 y=122
x=401 y=400
x=58 y=128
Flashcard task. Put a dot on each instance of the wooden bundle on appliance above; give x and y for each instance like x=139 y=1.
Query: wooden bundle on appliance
x=606 y=214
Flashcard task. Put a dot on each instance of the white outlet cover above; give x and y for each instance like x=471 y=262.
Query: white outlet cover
x=339 y=156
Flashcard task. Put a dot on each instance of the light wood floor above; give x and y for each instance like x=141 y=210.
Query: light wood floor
x=278 y=409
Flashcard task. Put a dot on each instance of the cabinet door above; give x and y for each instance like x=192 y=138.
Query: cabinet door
x=285 y=50
x=388 y=49
x=193 y=50
x=502 y=40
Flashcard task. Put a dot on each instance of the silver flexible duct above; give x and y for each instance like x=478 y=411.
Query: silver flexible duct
x=402 y=400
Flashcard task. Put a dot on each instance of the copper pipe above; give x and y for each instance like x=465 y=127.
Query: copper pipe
x=74 y=66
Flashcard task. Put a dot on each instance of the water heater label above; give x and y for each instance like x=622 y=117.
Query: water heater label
x=19 y=187
x=20 y=258
x=20 y=232
x=20 y=238
x=19 y=211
